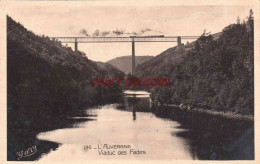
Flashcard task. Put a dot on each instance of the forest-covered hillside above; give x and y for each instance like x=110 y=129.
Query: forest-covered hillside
x=47 y=79
x=216 y=74
x=162 y=64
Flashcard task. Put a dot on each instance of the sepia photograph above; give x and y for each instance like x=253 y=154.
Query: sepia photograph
x=130 y=82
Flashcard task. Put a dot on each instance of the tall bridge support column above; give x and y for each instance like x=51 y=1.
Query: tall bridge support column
x=76 y=45
x=133 y=58
x=178 y=42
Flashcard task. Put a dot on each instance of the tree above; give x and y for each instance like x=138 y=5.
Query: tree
x=238 y=20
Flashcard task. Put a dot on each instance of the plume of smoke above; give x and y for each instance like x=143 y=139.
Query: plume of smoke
x=96 y=33
x=83 y=32
x=145 y=30
x=134 y=33
x=158 y=31
x=105 y=33
x=118 y=32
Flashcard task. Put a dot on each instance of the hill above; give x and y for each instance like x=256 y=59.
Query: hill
x=215 y=72
x=36 y=61
x=46 y=82
x=111 y=70
x=124 y=63
x=162 y=64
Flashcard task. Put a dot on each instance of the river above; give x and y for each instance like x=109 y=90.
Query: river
x=129 y=124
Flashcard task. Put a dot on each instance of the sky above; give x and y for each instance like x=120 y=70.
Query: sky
x=70 y=21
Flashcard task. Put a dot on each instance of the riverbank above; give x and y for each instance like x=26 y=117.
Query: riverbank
x=228 y=114
x=23 y=136
x=22 y=130
x=212 y=133
x=20 y=139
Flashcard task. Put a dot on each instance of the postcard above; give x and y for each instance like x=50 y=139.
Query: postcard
x=129 y=82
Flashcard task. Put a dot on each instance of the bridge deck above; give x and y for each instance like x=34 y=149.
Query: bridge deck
x=120 y=39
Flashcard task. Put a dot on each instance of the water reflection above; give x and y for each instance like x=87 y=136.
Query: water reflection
x=131 y=123
x=213 y=137
x=139 y=102
x=136 y=101
x=134 y=113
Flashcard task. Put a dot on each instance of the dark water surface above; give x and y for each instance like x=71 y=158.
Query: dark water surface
x=130 y=123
